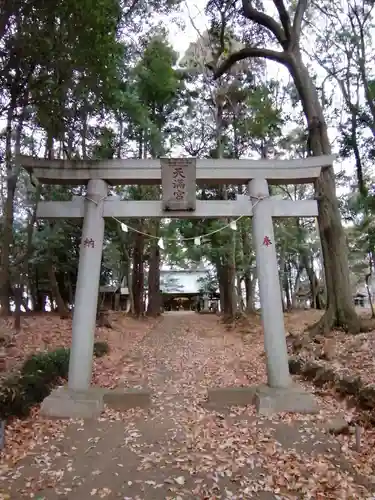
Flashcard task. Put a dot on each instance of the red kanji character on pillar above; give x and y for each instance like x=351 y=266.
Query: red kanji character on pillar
x=266 y=241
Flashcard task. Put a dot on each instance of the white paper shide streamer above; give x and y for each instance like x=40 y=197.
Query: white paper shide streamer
x=197 y=239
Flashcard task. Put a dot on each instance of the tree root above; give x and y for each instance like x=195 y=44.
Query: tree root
x=367 y=325
x=324 y=325
x=238 y=317
x=153 y=314
x=253 y=314
x=103 y=320
x=348 y=321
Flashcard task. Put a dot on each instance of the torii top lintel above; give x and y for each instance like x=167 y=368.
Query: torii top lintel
x=208 y=171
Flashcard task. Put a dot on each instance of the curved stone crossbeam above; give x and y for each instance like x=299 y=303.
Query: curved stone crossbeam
x=209 y=171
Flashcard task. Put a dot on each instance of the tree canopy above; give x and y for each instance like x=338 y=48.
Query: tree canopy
x=103 y=80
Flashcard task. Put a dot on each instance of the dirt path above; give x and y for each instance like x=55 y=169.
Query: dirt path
x=179 y=449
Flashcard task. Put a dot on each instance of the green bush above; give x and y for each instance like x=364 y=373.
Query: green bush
x=101 y=349
x=39 y=373
x=36 y=387
x=54 y=364
x=13 y=399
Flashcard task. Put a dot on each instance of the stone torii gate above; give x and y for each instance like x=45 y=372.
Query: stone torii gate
x=178 y=178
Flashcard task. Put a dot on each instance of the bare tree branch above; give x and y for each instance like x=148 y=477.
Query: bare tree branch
x=284 y=18
x=266 y=21
x=128 y=10
x=298 y=18
x=362 y=60
x=336 y=75
x=251 y=52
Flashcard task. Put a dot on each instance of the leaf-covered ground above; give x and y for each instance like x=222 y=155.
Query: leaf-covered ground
x=180 y=449
x=348 y=354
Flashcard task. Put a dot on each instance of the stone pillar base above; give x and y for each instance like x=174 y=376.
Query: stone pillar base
x=67 y=403
x=231 y=396
x=268 y=400
x=124 y=399
x=294 y=399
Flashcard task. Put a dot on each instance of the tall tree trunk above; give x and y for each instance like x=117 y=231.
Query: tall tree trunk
x=13 y=170
x=248 y=258
x=357 y=154
x=17 y=306
x=340 y=310
x=7 y=237
x=228 y=270
x=238 y=294
x=297 y=283
x=290 y=282
x=229 y=277
x=61 y=307
x=281 y=277
x=38 y=298
x=220 y=279
x=316 y=301
x=247 y=282
x=154 y=297
x=369 y=295
x=138 y=274
x=232 y=291
x=120 y=145
x=102 y=317
x=126 y=259
x=250 y=282
x=84 y=134
x=286 y=287
x=227 y=281
x=25 y=303
x=130 y=305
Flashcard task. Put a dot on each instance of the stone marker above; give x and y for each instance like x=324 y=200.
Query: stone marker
x=179 y=183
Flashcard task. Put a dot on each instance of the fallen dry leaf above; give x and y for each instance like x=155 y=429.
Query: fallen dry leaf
x=180 y=480
x=180 y=448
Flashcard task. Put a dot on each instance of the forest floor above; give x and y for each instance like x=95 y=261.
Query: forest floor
x=179 y=448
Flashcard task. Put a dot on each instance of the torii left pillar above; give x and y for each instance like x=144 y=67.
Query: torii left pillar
x=78 y=400
x=87 y=288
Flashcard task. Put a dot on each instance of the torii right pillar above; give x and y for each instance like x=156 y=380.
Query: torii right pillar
x=280 y=394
